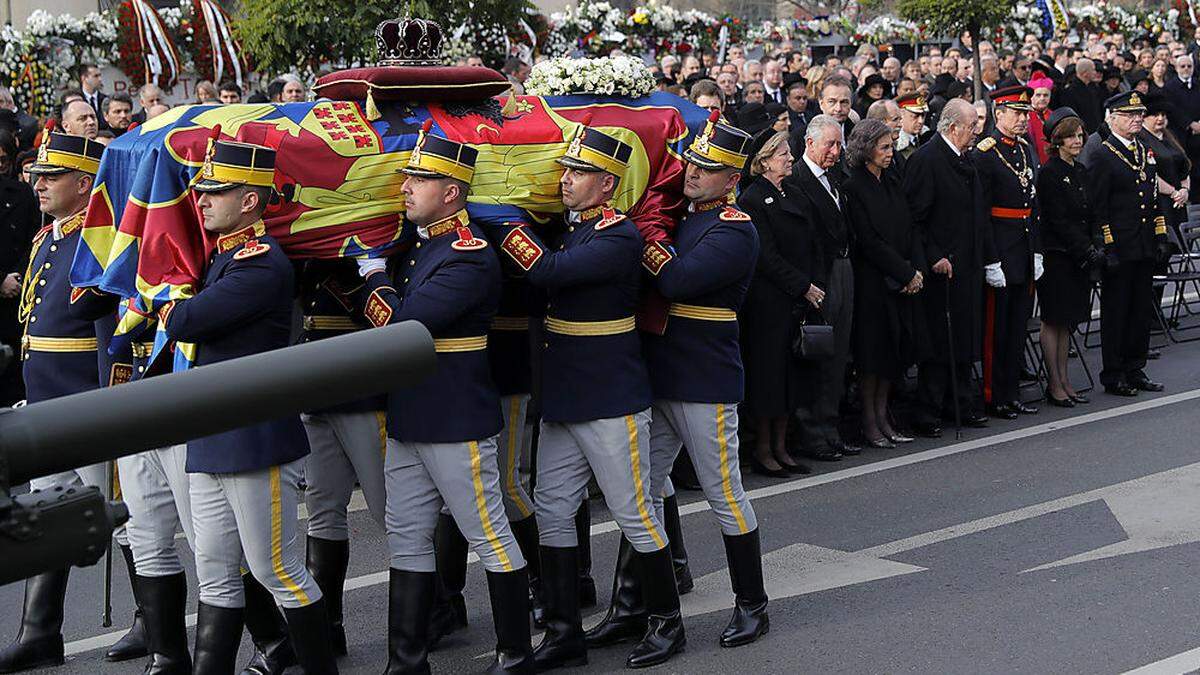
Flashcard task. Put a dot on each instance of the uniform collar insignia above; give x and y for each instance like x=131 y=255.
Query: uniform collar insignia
x=447 y=225
x=701 y=207
x=232 y=240
x=72 y=223
x=595 y=211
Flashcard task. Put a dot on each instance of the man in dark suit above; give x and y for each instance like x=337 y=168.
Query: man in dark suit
x=1183 y=93
x=816 y=180
x=1081 y=95
x=91 y=83
x=946 y=200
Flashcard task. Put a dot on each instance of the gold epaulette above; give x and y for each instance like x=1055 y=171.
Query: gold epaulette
x=986 y=144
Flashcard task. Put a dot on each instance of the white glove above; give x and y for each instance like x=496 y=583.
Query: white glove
x=994 y=275
x=1038 y=268
x=369 y=265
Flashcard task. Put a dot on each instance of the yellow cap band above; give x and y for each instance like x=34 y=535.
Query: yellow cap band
x=442 y=166
x=226 y=173
x=603 y=161
x=71 y=160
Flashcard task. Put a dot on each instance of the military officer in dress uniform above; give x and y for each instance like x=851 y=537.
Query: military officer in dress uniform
x=442 y=432
x=243 y=483
x=60 y=354
x=348 y=441
x=1012 y=250
x=697 y=379
x=913 y=110
x=595 y=402
x=1134 y=232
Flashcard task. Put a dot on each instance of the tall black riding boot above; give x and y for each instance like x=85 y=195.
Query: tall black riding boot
x=563 y=644
x=679 y=556
x=526 y=533
x=164 y=600
x=308 y=627
x=327 y=562
x=132 y=645
x=39 y=643
x=509 y=593
x=218 y=634
x=410 y=601
x=449 y=607
x=583 y=535
x=272 y=649
x=664 y=624
x=750 y=620
x=626 y=617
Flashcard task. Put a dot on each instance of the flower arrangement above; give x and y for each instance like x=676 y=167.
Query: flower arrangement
x=884 y=30
x=593 y=27
x=1104 y=18
x=1024 y=20
x=1167 y=21
x=609 y=75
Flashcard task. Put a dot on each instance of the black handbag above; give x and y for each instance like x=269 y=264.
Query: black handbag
x=811 y=340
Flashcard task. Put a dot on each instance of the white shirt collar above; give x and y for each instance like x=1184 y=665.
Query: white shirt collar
x=1125 y=142
x=816 y=170
x=957 y=152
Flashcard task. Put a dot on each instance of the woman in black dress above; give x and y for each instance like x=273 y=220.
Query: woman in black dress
x=1064 y=291
x=1171 y=163
x=781 y=284
x=888 y=263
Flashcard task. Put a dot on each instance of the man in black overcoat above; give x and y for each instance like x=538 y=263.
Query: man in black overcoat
x=946 y=200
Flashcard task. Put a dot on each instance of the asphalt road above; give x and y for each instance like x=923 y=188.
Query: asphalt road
x=1064 y=542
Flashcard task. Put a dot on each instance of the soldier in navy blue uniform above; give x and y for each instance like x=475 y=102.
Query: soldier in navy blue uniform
x=1013 y=254
x=595 y=402
x=697 y=378
x=510 y=354
x=61 y=356
x=244 y=482
x=442 y=431
x=1123 y=192
x=348 y=441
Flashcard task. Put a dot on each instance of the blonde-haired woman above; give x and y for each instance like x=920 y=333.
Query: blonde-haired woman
x=782 y=288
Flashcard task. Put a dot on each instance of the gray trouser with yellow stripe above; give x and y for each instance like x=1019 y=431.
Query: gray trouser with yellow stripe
x=616 y=450
x=154 y=486
x=512 y=453
x=709 y=431
x=421 y=477
x=250 y=514
x=346 y=447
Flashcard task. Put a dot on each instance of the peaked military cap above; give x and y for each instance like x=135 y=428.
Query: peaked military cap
x=1126 y=102
x=60 y=153
x=231 y=164
x=593 y=150
x=914 y=103
x=439 y=157
x=719 y=146
x=1015 y=97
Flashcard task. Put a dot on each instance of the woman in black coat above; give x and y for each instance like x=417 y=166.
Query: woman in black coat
x=1064 y=291
x=19 y=221
x=782 y=286
x=888 y=273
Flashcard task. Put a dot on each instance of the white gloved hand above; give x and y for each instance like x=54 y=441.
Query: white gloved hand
x=368 y=265
x=994 y=275
x=1038 y=267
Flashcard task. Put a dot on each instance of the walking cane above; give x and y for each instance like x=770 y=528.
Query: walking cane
x=953 y=365
x=106 y=615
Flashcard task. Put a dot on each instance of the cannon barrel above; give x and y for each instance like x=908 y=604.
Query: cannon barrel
x=95 y=426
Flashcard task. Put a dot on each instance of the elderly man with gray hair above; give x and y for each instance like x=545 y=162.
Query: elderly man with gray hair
x=1183 y=91
x=816 y=184
x=1082 y=94
x=944 y=194
x=149 y=95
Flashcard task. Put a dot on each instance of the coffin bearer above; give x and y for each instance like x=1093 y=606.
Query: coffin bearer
x=442 y=432
x=705 y=275
x=59 y=352
x=244 y=482
x=595 y=402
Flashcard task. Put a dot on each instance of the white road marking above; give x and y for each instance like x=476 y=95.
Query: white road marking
x=379 y=578
x=1179 y=664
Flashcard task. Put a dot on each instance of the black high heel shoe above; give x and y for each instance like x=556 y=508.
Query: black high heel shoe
x=1067 y=402
x=762 y=470
x=1080 y=398
x=898 y=438
x=882 y=443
